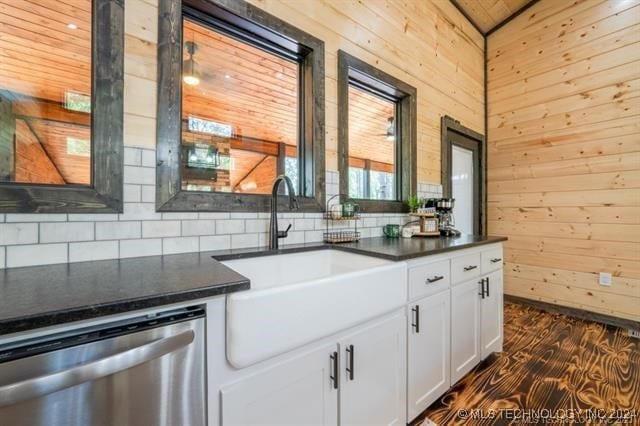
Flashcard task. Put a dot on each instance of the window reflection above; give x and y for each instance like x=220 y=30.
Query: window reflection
x=239 y=113
x=372 y=146
x=45 y=92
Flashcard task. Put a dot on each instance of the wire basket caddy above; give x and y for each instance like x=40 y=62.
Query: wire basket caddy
x=335 y=217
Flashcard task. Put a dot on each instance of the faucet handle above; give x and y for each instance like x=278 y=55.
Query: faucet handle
x=285 y=233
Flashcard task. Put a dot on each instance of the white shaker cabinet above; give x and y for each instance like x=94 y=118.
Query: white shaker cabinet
x=491 y=309
x=428 y=351
x=465 y=328
x=373 y=378
x=295 y=392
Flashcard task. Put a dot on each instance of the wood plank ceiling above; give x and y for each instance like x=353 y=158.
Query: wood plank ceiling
x=487 y=14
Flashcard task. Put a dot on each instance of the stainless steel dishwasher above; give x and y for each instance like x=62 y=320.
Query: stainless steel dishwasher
x=145 y=371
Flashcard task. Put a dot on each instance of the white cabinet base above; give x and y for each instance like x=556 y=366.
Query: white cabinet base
x=465 y=328
x=298 y=391
x=428 y=353
x=491 y=321
x=375 y=393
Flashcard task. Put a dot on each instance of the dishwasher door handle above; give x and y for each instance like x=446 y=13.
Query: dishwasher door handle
x=49 y=383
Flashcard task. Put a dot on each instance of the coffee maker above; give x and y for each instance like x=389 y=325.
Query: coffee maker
x=444 y=210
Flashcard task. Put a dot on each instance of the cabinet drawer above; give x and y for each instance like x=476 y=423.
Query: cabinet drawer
x=492 y=260
x=464 y=268
x=428 y=279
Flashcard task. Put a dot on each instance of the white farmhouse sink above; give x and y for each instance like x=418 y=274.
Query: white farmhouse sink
x=298 y=298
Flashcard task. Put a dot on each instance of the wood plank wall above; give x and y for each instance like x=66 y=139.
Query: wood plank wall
x=428 y=44
x=564 y=153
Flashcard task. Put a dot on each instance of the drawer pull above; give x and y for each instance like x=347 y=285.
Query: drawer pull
x=496 y=260
x=434 y=279
x=470 y=267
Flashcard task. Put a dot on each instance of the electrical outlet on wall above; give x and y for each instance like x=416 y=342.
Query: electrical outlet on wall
x=605 y=279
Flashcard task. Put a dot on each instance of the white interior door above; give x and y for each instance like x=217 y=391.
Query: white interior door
x=462 y=188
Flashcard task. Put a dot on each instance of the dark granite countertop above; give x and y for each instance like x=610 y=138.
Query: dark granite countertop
x=41 y=296
x=386 y=248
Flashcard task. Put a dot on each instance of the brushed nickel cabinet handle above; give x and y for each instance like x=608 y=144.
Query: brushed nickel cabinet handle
x=434 y=279
x=470 y=267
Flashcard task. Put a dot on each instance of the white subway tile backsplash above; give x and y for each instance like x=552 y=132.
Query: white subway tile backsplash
x=179 y=216
x=215 y=242
x=148 y=158
x=140 y=211
x=198 y=227
x=139 y=248
x=213 y=215
x=132 y=157
x=313 y=236
x=93 y=250
x=256 y=225
x=303 y=224
x=93 y=217
x=244 y=240
x=141 y=231
x=64 y=232
x=131 y=193
x=35 y=217
x=160 y=228
x=148 y=193
x=139 y=175
x=180 y=245
x=294 y=237
x=230 y=226
x=36 y=254
x=244 y=215
x=18 y=233
x=118 y=230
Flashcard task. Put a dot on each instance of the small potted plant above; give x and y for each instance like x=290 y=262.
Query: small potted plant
x=413 y=202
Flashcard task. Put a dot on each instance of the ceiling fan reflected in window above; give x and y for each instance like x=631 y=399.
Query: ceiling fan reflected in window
x=190 y=73
x=391 y=129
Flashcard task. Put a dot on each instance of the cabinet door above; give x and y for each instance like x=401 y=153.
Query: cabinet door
x=491 y=315
x=373 y=379
x=428 y=368
x=298 y=391
x=465 y=328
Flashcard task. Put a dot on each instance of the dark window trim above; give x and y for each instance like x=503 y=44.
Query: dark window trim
x=352 y=69
x=449 y=125
x=104 y=195
x=235 y=14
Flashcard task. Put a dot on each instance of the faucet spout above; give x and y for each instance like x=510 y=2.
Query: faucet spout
x=274 y=234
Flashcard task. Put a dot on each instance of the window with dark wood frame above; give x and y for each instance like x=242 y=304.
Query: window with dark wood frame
x=354 y=73
x=251 y=25
x=99 y=190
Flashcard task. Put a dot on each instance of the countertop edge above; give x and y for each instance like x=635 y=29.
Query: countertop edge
x=54 y=318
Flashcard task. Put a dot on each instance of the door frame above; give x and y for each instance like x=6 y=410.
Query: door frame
x=449 y=129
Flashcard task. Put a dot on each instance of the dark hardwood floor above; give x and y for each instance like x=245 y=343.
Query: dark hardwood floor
x=552 y=365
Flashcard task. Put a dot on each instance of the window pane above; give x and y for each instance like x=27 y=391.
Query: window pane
x=291 y=170
x=372 y=146
x=239 y=114
x=45 y=92
x=356 y=182
x=382 y=185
